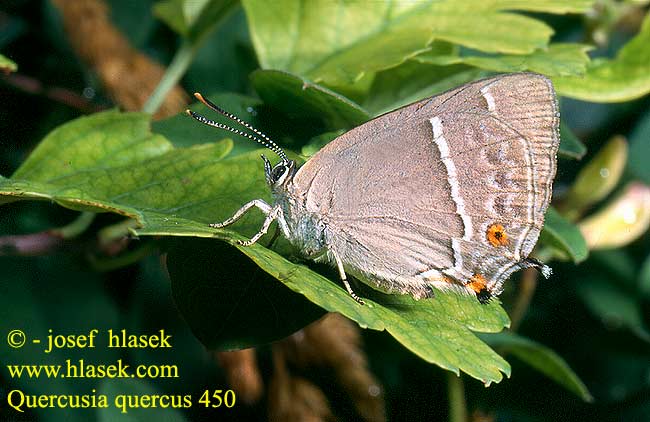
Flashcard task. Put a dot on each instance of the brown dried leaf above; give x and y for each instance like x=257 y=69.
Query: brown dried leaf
x=294 y=398
x=335 y=341
x=480 y=416
x=243 y=374
x=129 y=76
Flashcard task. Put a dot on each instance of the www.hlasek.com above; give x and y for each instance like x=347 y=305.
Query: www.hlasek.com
x=82 y=369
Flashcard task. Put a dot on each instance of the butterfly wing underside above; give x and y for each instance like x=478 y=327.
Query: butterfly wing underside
x=443 y=190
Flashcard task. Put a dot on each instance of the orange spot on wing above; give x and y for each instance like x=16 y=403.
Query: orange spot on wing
x=477 y=283
x=496 y=235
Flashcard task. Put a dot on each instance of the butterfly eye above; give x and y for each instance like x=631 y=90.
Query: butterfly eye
x=278 y=172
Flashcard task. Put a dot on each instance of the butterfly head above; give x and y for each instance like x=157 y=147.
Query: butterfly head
x=279 y=175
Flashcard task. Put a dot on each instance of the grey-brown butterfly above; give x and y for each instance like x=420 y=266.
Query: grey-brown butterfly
x=446 y=193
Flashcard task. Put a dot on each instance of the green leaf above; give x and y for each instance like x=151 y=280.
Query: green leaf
x=413 y=81
x=556 y=60
x=570 y=145
x=564 y=237
x=184 y=132
x=228 y=302
x=110 y=138
x=623 y=78
x=192 y=9
x=541 y=358
x=297 y=97
x=6 y=65
x=337 y=42
x=438 y=329
x=171 y=12
x=614 y=304
x=546 y=6
x=205 y=18
x=597 y=178
x=113 y=163
x=316 y=143
x=193 y=18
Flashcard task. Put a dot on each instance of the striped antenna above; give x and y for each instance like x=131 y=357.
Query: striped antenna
x=262 y=139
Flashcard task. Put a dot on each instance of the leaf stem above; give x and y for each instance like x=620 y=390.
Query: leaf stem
x=456 y=396
x=173 y=74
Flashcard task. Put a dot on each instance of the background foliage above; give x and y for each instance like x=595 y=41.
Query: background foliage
x=305 y=71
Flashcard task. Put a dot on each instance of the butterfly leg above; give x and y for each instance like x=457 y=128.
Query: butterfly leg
x=271 y=215
x=344 y=278
x=263 y=206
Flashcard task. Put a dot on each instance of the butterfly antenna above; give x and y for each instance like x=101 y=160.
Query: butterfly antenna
x=262 y=139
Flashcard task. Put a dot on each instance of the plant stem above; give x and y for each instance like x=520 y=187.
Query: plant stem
x=456 y=397
x=123 y=260
x=173 y=74
x=527 y=287
x=116 y=231
x=76 y=227
x=185 y=54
